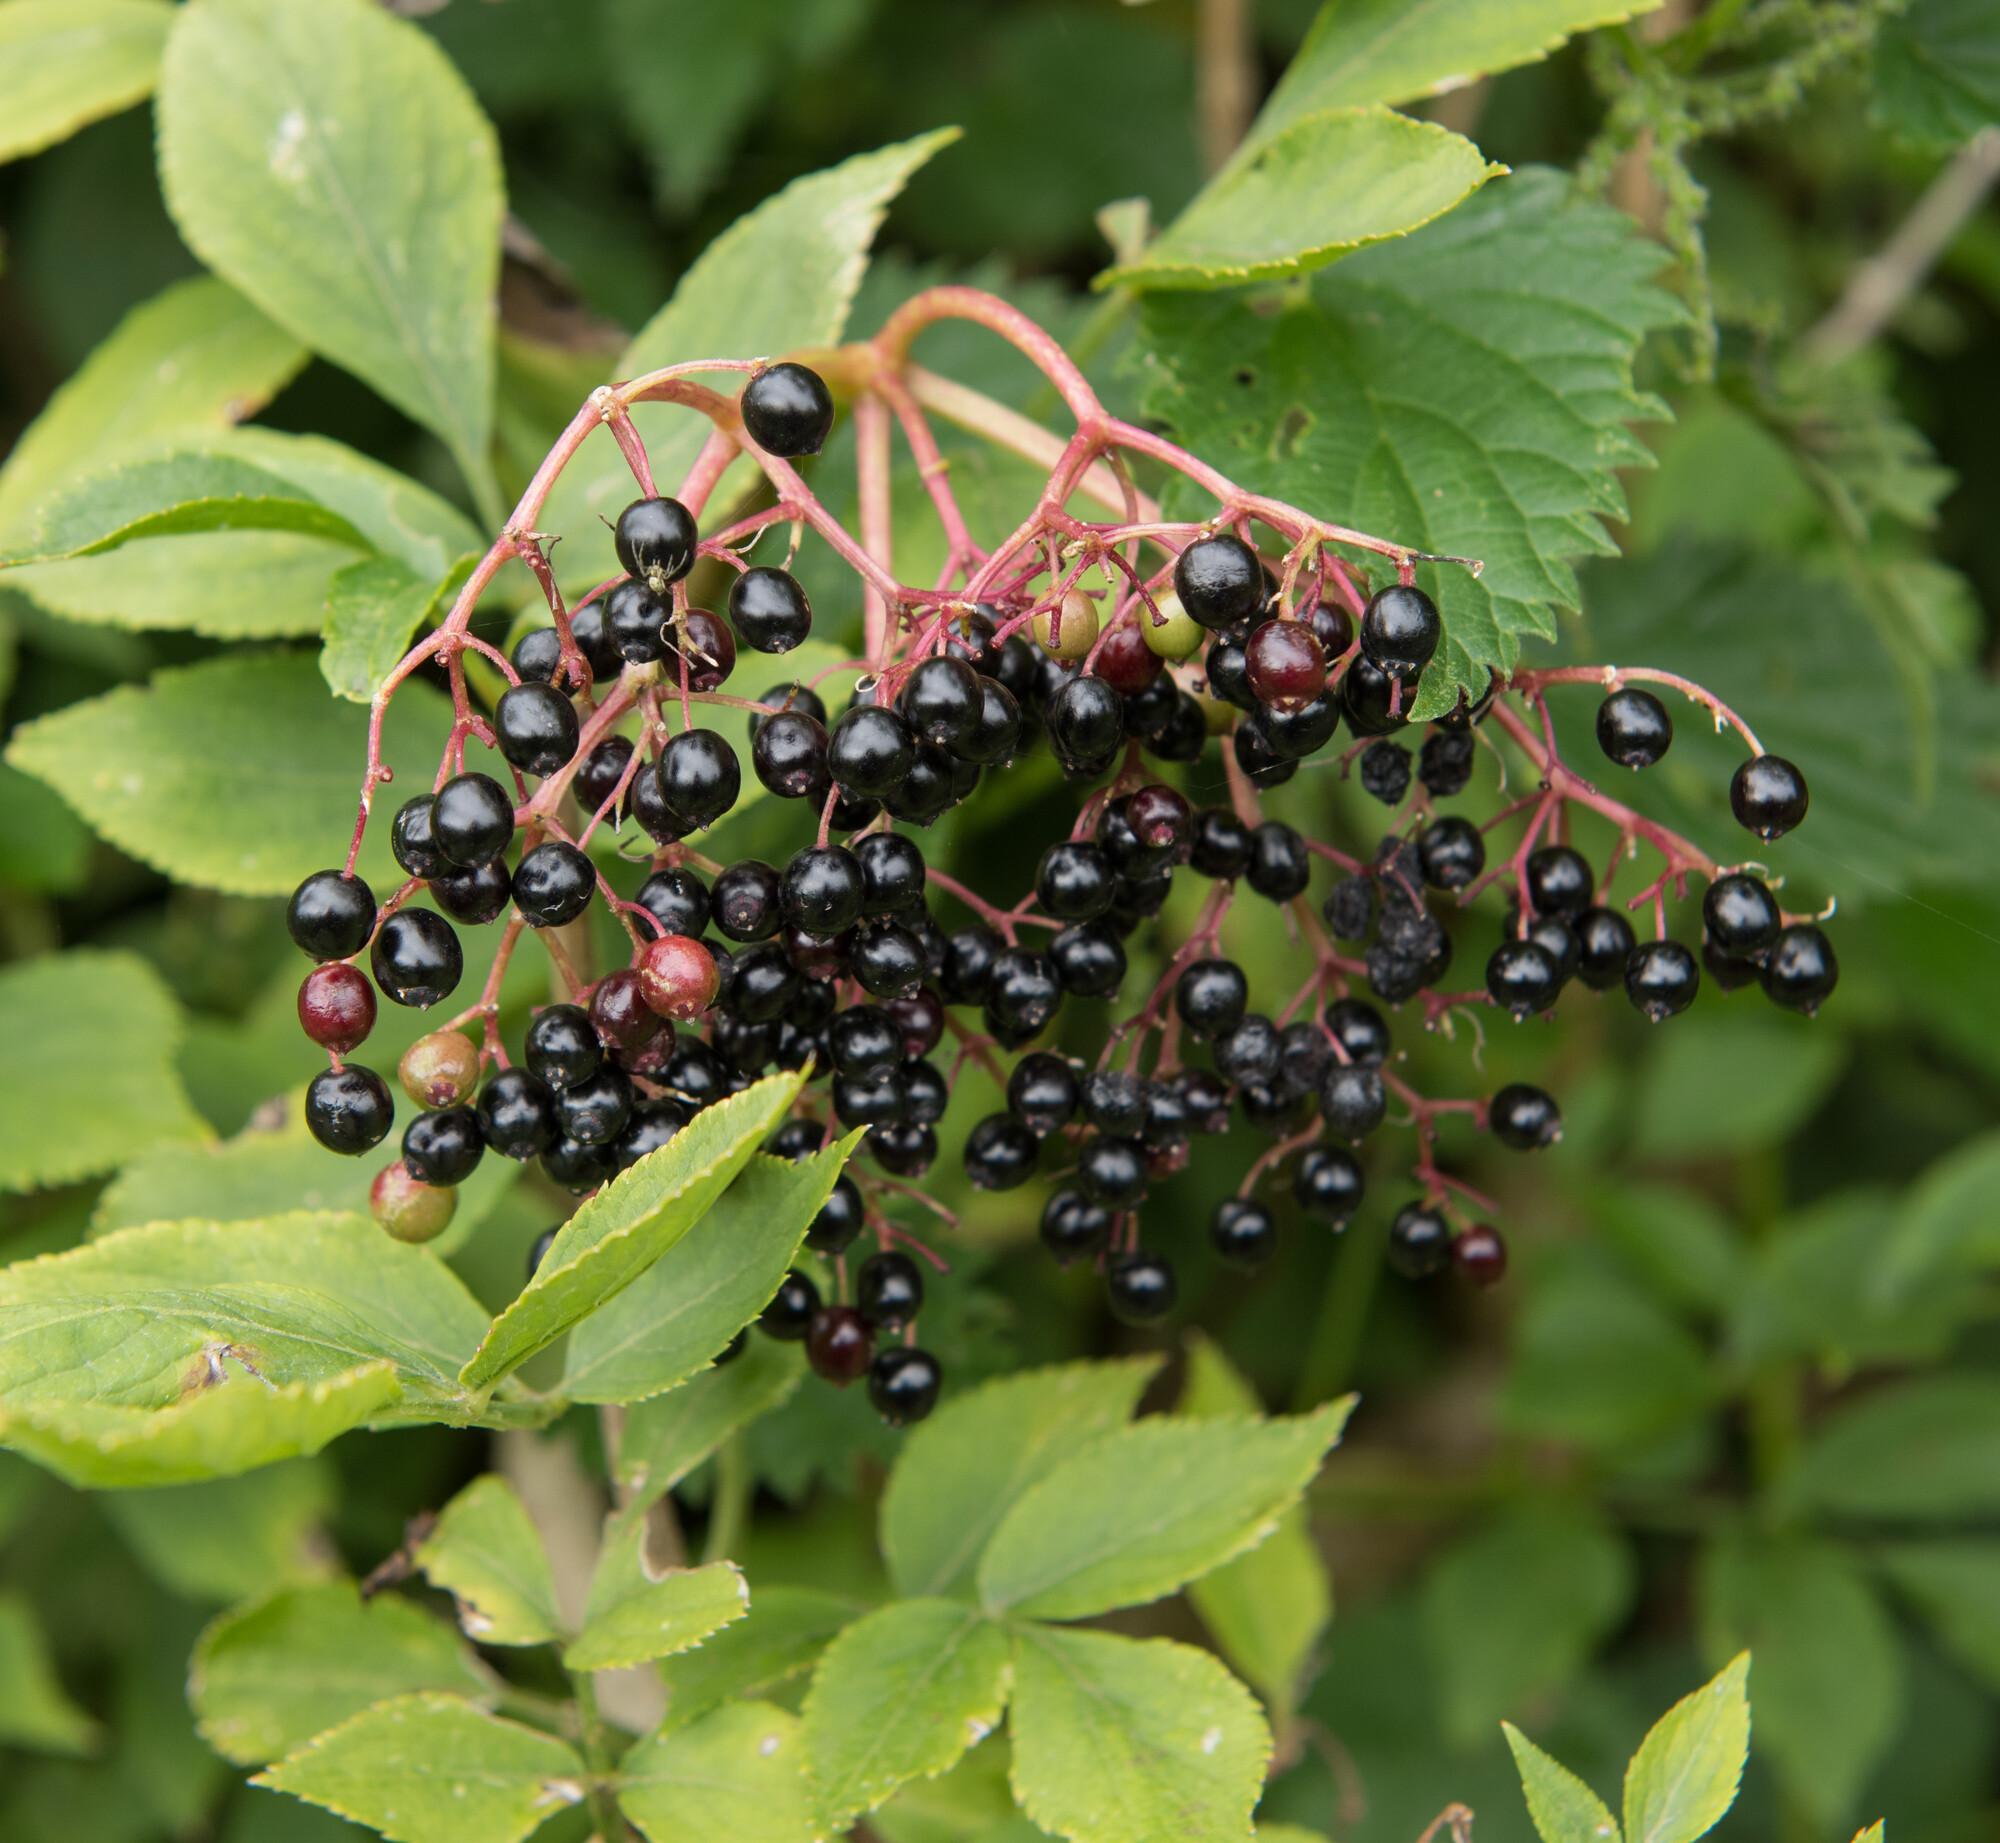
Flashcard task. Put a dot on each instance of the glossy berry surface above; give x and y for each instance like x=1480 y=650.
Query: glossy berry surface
x=537 y=728
x=1661 y=979
x=769 y=610
x=787 y=410
x=336 y=1007
x=1800 y=971
x=472 y=819
x=416 y=959
x=517 y=1114
x=1140 y=1288
x=1419 y=1242
x=553 y=884
x=349 y=1109
x=1633 y=728
x=331 y=915
x=1400 y=630
x=1768 y=796
x=839 y=1344
x=561 y=1047
x=1243 y=1232
x=1219 y=581
x=1740 y=915
x=791 y=1310
x=678 y=977
x=903 y=1384
x=1284 y=663
x=655 y=540
x=1524 y=1117
x=443 y=1147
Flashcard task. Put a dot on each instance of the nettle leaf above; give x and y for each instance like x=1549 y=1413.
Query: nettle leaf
x=64 y=63
x=815 y=234
x=196 y=356
x=1137 y=1513
x=1465 y=391
x=1829 y=1661
x=484 y=1551
x=960 y=1470
x=1937 y=70
x=637 y=1611
x=900 y=1695
x=736 y=1774
x=432 y=1769
x=1271 y=212
x=267 y=1677
x=1122 y=1740
x=332 y=164
x=1916 y=1451
x=1684 y=1776
x=373 y=608
x=72 y=1111
x=1563 y=1808
x=35 y=1710
x=781 y=1637
x=666 y=1437
x=1954 y=1582
x=1267 y=1609
x=238 y=774
x=721 y=1254
x=196 y=1349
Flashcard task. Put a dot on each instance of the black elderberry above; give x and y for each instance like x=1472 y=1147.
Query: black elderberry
x=1249 y=1052
x=1072 y=1226
x=1768 y=796
x=636 y=621
x=1329 y=1184
x=1419 y=1242
x=1221 y=845
x=1280 y=866
x=769 y=610
x=864 y=1040
x=1352 y=1099
x=537 y=656
x=475 y=896
x=599 y=773
x=1452 y=852
x=348 y=1109
x=1559 y=881
x=1112 y=1170
x=1089 y=959
x=646 y=803
x=650 y=1128
x=1740 y=914
x=1556 y=937
x=1140 y=1288
x=788 y=755
x=412 y=841
x=903 y=1384
x=1227 y=669
x=1243 y=1232
x=1385 y=771
x=1255 y=755
x=791 y=1310
x=1366 y=694
x=1074 y=881
x=1211 y=997
x=1184 y=736
x=892 y=873
x=889 y=1290
x=1114 y=1102
x=517 y=1114
x=1206 y=1099
x=925 y=1093
x=822 y=890
x=744 y=901
x=996 y=733
x=1292 y=732
x=1604 y=943
x=1303 y=1053
x=1523 y=977
x=871 y=752
x=1400 y=629
x=1086 y=720
x=678 y=900
x=536 y=727
x=967 y=974
x=787 y=410
x=1219 y=580
x=928 y=789
x=699 y=777
x=416 y=959
x=561 y=1046
x=1022 y=997
x=655 y=541
x=1000 y=1153
x=596 y=1111
x=1444 y=765
x=443 y=1147
x=839 y=1219
x=1633 y=728
x=1149 y=711
x=1349 y=909
x=472 y=819
x=904 y=1148
x=576 y=1167
x=886 y=959
x=1360 y=1030
x=762 y=984
x=1169 y=1121
x=1800 y=970
x=802 y=698
x=869 y=1100
x=332 y=914
x=940 y=701
x=1661 y=978
x=553 y=884
x=1524 y=1117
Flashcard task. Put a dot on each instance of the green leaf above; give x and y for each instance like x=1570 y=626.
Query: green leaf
x=815 y=234
x=64 y=63
x=196 y=356
x=272 y=1517
x=1829 y=1662
x=485 y=1553
x=1673 y=1238
x=35 y=1710
x=72 y=1111
x=432 y=1769
x=1267 y=1610
x=373 y=609
x=1937 y=70
x=1563 y=1808
x=960 y=1470
x=1946 y=1221
x=1139 y=1512
x=238 y=774
x=1118 y=1740
x=1954 y=1582
x=666 y=1437
x=630 y=1224
x=195 y=1349
x=637 y=1612
x=1465 y=391
x=735 y=1774
x=1515 y=1608
x=266 y=1678
x=333 y=165
x=781 y=1637
x=1917 y=1450
x=667 y=1325
x=1685 y=1774
x=1272 y=213
x=1740 y=1080
x=900 y=1695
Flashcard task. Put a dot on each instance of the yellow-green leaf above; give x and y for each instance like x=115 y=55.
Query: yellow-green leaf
x=637 y=1612
x=484 y=1551
x=64 y=63
x=1563 y=1808
x=1684 y=1776
x=734 y=1774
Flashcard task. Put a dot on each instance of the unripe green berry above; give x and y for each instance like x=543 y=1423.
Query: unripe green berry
x=1075 y=634
x=439 y=1070
x=410 y=1211
x=1179 y=635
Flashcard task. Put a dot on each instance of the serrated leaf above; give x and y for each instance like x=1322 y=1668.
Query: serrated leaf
x=64 y=63
x=71 y=1110
x=1509 y=330
x=735 y=1774
x=900 y=1695
x=636 y=1612
x=239 y=774
x=1563 y=1808
x=1272 y=212
x=1954 y=1582
x=485 y=1552
x=666 y=1437
x=432 y=1769
x=1872 y=1833
x=36 y=1712
x=332 y=164
x=780 y=1638
x=1829 y=1662
x=272 y=1517
x=265 y=1678
x=1139 y=1512
x=630 y=1224
x=1937 y=70
x=1121 y=1740
x=1684 y=1776
x=667 y=1325
x=195 y=1349
x=373 y=608
x=196 y=356
x=960 y=1470
x=815 y=234
x=1919 y=1450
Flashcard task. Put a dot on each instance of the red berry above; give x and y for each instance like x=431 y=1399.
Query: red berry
x=1286 y=663
x=619 y=1012
x=336 y=1006
x=839 y=1344
x=677 y=977
x=1479 y=1253
x=711 y=650
x=1125 y=662
x=1160 y=816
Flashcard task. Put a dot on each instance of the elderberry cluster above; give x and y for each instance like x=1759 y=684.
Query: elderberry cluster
x=834 y=962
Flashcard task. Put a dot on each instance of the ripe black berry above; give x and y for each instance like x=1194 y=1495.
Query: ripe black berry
x=769 y=610
x=1219 y=580
x=1559 y=881
x=1352 y=1099
x=1523 y=977
x=1603 y=945
x=903 y=1384
x=536 y=726
x=624 y=1022
x=1360 y=1030
x=1227 y=669
x=787 y=410
x=349 y=1110
x=745 y=901
x=332 y=914
x=789 y=1314
x=864 y=1040
x=562 y=1048
x=871 y=752
x=655 y=541
x=967 y=974
x=590 y=628
x=1280 y=866
x=1074 y=881
x=472 y=819
x=635 y=619
x=537 y=656
x=1086 y=720
x=1444 y=765
x=1211 y=997
x=886 y=959
x=889 y=1290
x=1524 y=1117
x=553 y=884
x=995 y=734
x=1400 y=630
x=1740 y=914
x=1800 y=970
x=1661 y=978
x=474 y=896
x=840 y=1218
x=1292 y=732
x=705 y=644
x=1451 y=850
x=517 y=1114
x=1000 y=1153
x=596 y=1111
x=1141 y=1288
x=1768 y=796
x=1089 y=959
x=1366 y=693
x=1221 y=845
x=598 y=774
x=416 y=959
x=1328 y=1184
x=443 y=1147
x=1112 y=1171
x=677 y=899
x=699 y=777
x=1633 y=728
x=1073 y=1226
x=822 y=890
x=1385 y=771
x=411 y=840
x=892 y=873
x=1419 y=1242
x=1249 y=1052
x=1022 y=997
x=940 y=701
x=1243 y=1232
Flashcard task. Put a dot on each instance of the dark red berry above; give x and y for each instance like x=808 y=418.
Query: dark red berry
x=839 y=1344
x=1285 y=663
x=337 y=1006
x=678 y=977
x=1479 y=1254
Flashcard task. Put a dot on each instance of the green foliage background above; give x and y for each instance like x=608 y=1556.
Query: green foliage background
x=1742 y=1388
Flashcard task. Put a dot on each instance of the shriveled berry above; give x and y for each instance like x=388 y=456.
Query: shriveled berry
x=1444 y=764
x=1385 y=771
